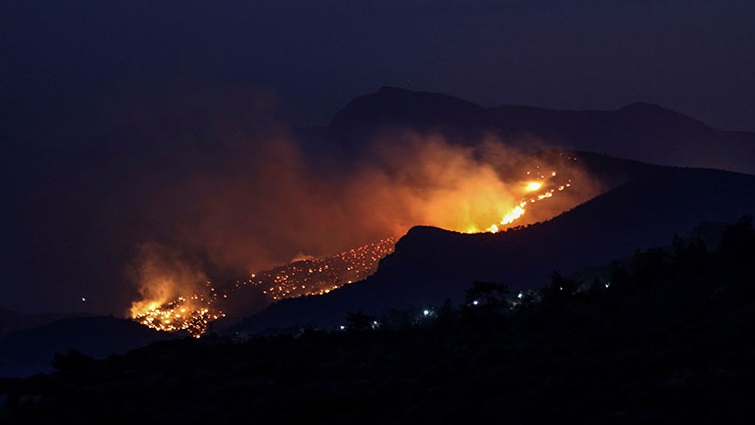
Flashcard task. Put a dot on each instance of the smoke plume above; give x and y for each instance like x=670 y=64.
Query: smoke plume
x=253 y=198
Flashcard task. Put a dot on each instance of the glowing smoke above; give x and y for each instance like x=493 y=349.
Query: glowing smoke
x=269 y=205
x=163 y=276
x=254 y=199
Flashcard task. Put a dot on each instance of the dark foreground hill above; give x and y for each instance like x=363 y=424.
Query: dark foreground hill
x=431 y=265
x=666 y=338
x=31 y=351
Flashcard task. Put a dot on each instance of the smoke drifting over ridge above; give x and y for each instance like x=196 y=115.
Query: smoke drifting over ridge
x=214 y=188
x=268 y=204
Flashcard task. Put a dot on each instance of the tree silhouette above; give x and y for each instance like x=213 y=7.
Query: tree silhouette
x=358 y=321
x=72 y=361
x=489 y=294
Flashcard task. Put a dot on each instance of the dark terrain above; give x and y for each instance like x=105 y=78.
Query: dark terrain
x=660 y=335
x=430 y=264
x=665 y=336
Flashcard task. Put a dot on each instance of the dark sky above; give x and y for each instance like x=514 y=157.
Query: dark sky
x=693 y=56
x=89 y=86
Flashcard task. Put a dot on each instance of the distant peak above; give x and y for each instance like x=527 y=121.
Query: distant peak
x=391 y=89
x=397 y=107
x=423 y=98
x=642 y=109
x=640 y=106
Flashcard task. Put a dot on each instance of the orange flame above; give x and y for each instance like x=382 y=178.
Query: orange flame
x=422 y=181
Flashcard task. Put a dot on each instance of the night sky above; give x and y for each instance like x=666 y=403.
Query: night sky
x=85 y=81
x=694 y=57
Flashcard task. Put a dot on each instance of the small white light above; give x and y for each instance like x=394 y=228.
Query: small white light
x=83 y=299
x=475 y=302
x=520 y=296
x=343 y=327
x=426 y=312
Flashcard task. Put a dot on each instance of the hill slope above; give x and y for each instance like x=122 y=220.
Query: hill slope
x=669 y=340
x=430 y=265
x=31 y=351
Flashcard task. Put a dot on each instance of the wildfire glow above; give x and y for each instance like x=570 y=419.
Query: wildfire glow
x=193 y=315
x=315 y=276
x=430 y=184
x=533 y=186
x=533 y=193
x=321 y=275
x=163 y=306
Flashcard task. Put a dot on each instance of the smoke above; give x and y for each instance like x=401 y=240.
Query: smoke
x=163 y=275
x=268 y=205
x=424 y=180
x=253 y=199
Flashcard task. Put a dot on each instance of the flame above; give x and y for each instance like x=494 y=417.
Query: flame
x=533 y=186
x=304 y=276
x=319 y=276
x=429 y=183
x=533 y=189
x=164 y=277
x=194 y=315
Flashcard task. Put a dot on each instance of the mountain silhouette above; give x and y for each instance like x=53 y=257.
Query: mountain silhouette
x=645 y=205
x=31 y=351
x=431 y=265
x=12 y=321
x=391 y=108
x=639 y=131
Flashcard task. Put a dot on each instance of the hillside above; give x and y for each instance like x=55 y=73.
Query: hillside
x=431 y=265
x=31 y=351
x=646 y=204
x=12 y=321
x=667 y=339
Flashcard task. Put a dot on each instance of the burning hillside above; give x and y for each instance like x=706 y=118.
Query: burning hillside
x=300 y=278
x=520 y=203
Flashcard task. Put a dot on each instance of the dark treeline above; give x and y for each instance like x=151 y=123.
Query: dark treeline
x=667 y=336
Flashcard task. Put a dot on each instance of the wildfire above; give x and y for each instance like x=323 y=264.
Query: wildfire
x=194 y=314
x=533 y=186
x=300 y=278
x=478 y=204
x=321 y=275
x=532 y=193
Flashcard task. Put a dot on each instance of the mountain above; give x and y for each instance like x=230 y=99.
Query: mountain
x=639 y=131
x=393 y=108
x=12 y=321
x=431 y=265
x=31 y=351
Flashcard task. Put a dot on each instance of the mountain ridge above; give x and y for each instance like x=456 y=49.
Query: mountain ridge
x=640 y=131
x=31 y=351
x=430 y=265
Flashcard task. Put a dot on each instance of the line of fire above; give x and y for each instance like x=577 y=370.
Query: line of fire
x=318 y=276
